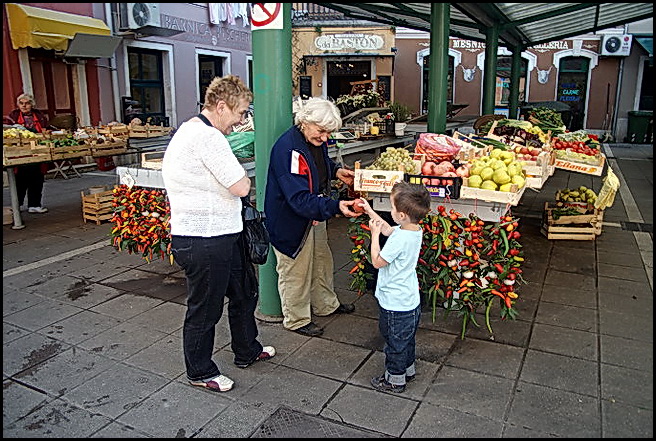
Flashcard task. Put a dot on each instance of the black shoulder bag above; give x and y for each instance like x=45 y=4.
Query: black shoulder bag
x=256 y=236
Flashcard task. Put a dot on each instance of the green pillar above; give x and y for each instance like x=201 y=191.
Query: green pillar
x=515 y=74
x=490 y=74
x=272 y=102
x=438 y=67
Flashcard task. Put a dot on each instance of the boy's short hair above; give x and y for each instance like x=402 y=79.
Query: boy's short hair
x=411 y=199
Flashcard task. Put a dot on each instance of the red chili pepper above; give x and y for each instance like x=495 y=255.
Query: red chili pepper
x=497 y=293
x=514 y=252
x=354 y=269
x=508 y=302
x=365 y=227
x=499 y=267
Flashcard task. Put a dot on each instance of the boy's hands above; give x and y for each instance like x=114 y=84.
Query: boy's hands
x=376 y=226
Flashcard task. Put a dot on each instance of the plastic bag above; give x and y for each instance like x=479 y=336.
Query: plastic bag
x=255 y=234
x=242 y=144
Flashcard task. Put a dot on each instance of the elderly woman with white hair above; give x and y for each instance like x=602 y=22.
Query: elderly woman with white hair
x=297 y=205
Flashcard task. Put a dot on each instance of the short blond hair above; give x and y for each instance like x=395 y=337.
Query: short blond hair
x=319 y=111
x=25 y=96
x=230 y=89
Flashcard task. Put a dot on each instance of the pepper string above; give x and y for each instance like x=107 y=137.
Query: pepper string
x=464 y=263
x=141 y=222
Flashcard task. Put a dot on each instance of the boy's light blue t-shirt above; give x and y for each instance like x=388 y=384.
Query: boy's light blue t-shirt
x=397 y=288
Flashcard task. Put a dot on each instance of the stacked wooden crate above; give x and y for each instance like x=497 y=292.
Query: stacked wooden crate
x=97 y=204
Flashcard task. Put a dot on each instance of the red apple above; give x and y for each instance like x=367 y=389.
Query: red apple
x=356 y=207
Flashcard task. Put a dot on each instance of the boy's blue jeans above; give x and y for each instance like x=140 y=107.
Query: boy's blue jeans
x=399 y=329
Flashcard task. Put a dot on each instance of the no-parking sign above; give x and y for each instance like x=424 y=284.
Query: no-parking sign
x=266 y=16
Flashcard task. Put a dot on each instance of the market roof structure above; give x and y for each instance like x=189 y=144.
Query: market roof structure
x=520 y=24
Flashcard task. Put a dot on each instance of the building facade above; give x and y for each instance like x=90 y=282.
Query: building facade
x=164 y=58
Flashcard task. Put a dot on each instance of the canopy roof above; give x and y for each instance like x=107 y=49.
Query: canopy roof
x=520 y=24
x=43 y=28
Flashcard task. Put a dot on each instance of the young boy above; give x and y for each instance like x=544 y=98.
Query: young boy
x=397 y=290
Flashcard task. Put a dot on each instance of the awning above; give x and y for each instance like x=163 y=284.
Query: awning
x=647 y=43
x=46 y=29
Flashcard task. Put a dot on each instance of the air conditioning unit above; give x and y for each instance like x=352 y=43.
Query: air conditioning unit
x=616 y=45
x=138 y=15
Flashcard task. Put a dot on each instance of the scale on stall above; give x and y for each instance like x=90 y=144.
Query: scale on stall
x=343 y=135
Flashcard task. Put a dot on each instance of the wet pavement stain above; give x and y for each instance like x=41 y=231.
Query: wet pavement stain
x=78 y=290
x=39 y=355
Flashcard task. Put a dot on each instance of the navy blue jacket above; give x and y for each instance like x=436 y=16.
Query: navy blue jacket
x=292 y=200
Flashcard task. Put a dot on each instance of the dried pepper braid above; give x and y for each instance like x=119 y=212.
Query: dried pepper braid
x=464 y=263
x=358 y=231
x=141 y=222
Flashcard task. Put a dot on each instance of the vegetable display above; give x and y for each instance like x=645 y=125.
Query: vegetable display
x=465 y=263
x=141 y=222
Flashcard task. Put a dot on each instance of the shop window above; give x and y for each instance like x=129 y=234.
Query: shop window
x=572 y=88
x=385 y=86
x=209 y=67
x=52 y=83
x=449 y=84
x=146 y=83
x=502 y=91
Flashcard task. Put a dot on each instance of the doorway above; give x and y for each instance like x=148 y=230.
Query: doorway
x=209 y=67
x=342 y=73
x=573 y=87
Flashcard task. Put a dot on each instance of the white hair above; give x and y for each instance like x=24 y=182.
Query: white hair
x=319 y=111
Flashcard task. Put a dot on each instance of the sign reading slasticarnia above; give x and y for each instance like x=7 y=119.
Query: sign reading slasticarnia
x=349 y=41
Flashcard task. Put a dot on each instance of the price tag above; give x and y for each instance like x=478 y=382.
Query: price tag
x=127 y=179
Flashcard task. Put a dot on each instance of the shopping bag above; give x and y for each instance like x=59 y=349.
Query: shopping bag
x=256 y=236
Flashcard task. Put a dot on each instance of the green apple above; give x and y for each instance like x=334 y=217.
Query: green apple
x=475 y=181
x=488 y=185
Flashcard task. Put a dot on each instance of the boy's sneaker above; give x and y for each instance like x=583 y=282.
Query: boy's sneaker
x=267 y=353
x=37 y=210
x=381 y=384
x=220 y=383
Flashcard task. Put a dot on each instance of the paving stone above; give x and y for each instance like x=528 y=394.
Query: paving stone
x=432 y=421
x=561 y=372
x=564 y=341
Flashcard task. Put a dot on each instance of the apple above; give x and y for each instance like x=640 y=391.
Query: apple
x=357 y=207
x=427 y=168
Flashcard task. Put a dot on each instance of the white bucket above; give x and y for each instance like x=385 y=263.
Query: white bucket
x=399 y=128
x=7 y=216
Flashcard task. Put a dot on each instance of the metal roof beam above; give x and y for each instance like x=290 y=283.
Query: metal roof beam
x=578 y=32
x=550 y=14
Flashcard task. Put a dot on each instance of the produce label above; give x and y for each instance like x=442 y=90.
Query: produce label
x=587 y=169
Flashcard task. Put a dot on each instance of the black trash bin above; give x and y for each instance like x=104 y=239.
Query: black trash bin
x=641 y=127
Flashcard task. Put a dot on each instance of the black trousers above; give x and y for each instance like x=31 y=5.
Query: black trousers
x=215 y=268
x=29 y=180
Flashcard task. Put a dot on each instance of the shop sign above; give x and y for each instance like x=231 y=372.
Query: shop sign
x=349 y=41
x=569 y=92
x=551 y=46
x=203 y=33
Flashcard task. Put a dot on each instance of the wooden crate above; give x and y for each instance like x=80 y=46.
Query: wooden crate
x=116 y=146
x=148 y=131
x=25 y=153
x=505 y=197
x=152 y=160
x=69 y=152
x=120 y=130
x=378 y=181
x=577 y=227
x=97 y=207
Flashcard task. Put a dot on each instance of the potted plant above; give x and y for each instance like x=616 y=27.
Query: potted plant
x=401 y=114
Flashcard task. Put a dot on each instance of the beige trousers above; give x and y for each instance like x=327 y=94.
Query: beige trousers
x=306 y=284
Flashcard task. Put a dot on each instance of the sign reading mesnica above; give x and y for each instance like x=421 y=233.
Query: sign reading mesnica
x=349 y=41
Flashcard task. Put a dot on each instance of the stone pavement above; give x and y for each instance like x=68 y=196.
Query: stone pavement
x=92 y=340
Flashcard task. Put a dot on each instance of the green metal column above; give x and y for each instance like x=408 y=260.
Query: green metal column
x=438 y=67
x=490 y=74
x=272 y=102
x=515 y=73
